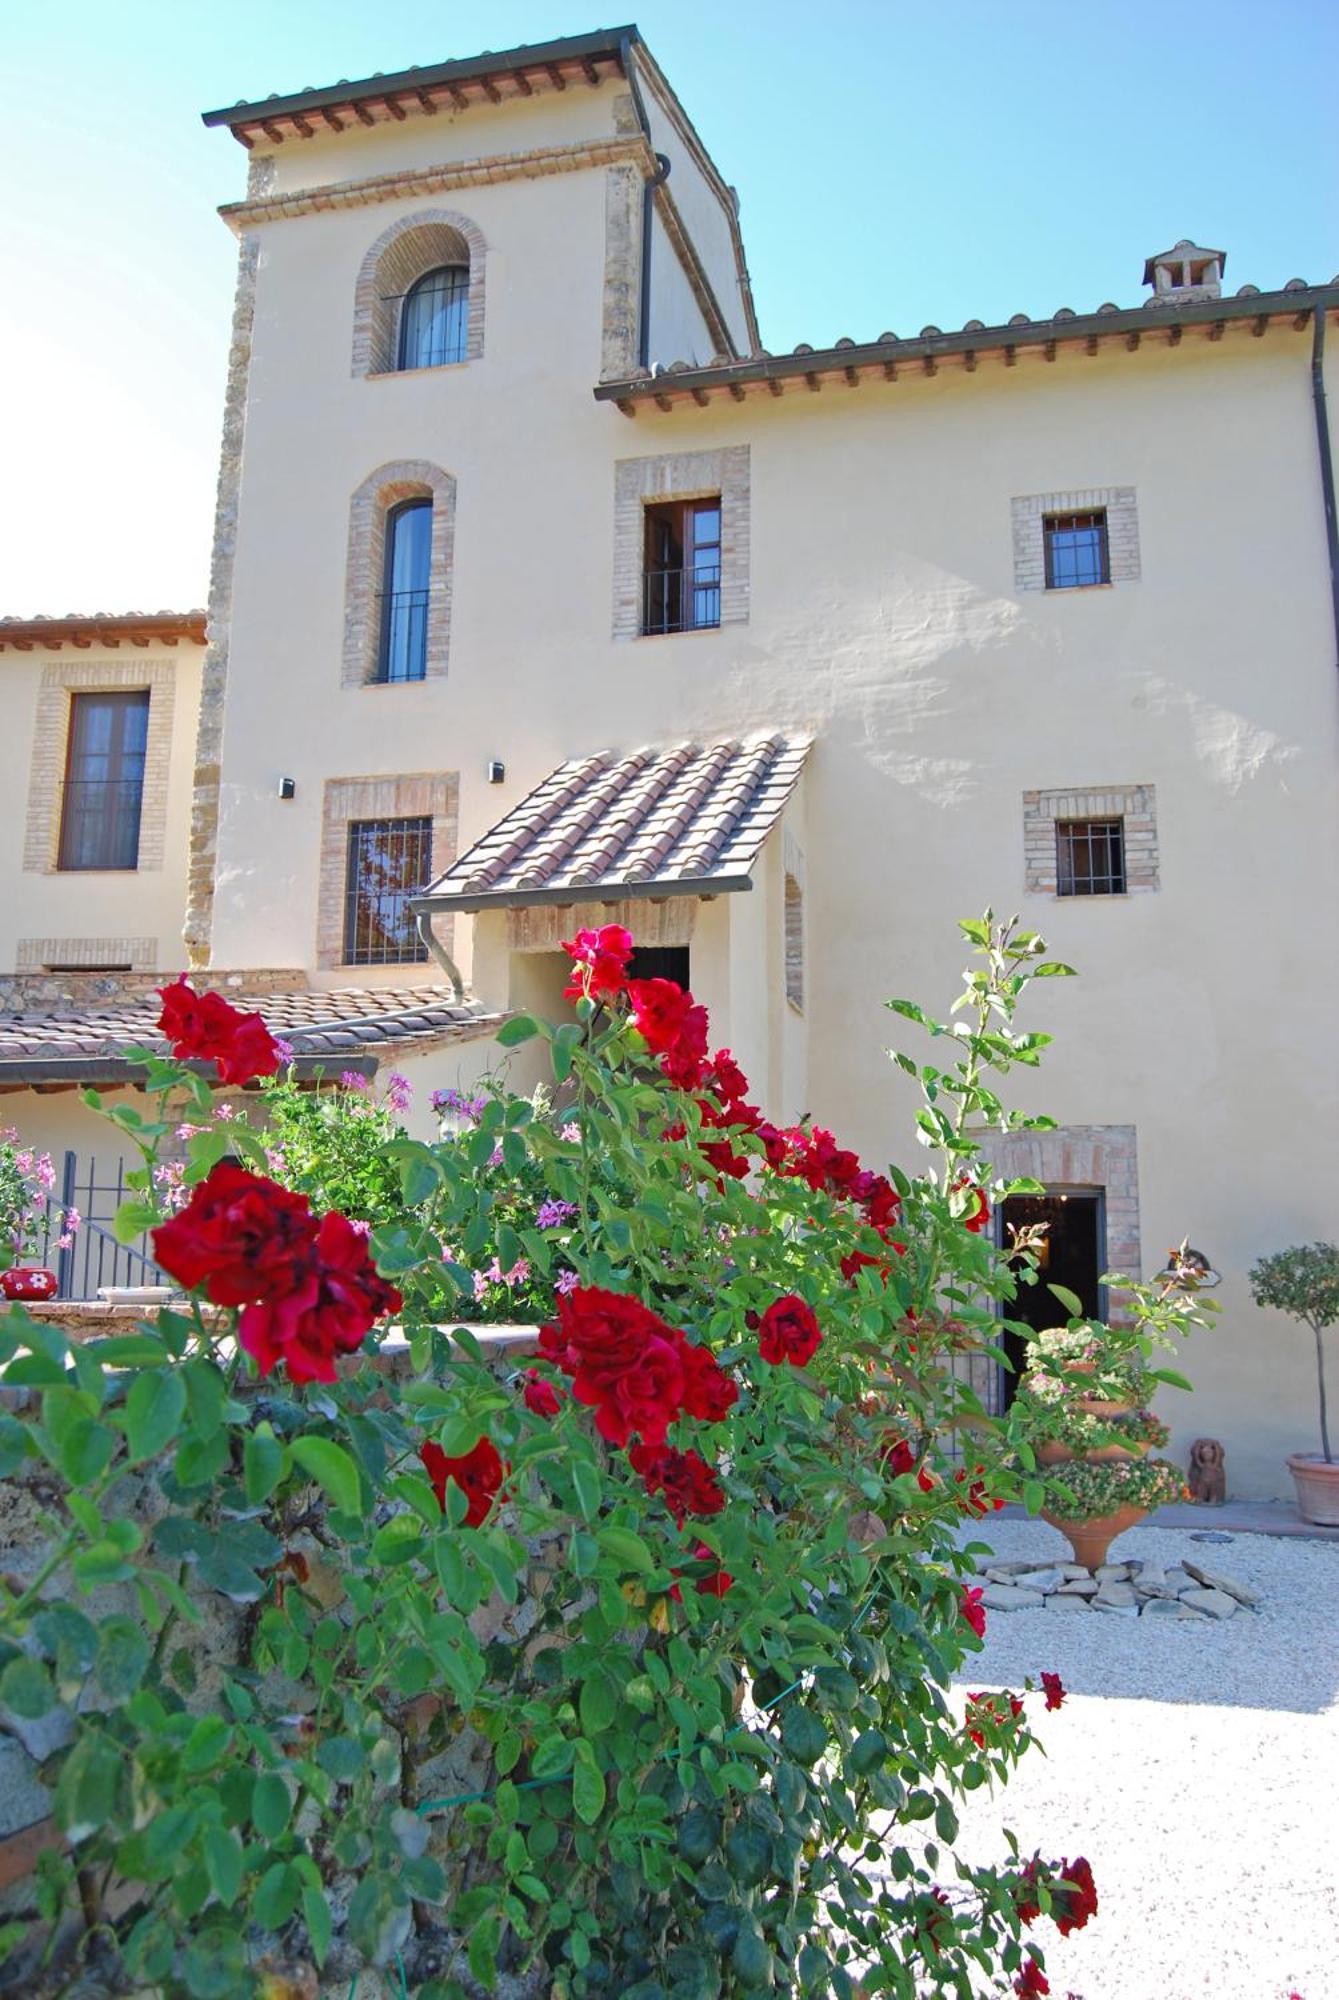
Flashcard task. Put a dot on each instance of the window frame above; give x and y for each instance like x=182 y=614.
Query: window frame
x=356 y=919
x=458 y=305
x=71 y=835
x=1111 y=881
x=666 y=586
x=1082 y=521
x=414 y=648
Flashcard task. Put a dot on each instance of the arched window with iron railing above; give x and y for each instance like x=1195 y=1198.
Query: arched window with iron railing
x=403 y=652
x=434 y=318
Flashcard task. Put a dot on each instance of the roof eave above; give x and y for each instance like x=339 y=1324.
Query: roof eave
x=583 y=892
x=1154 y=317
x=607 y=45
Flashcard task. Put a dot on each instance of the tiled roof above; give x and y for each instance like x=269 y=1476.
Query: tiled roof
x=324 y=1030
x=683 y=821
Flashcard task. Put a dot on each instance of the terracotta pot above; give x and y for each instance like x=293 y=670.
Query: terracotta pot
x=1090 y=1540
x=29 y=1283
x=1052 y=1452
x=1317 y=1488
x=1055 y=1453
x=1098 y=1406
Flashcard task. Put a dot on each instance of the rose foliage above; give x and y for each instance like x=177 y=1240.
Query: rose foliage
x=620 y=1667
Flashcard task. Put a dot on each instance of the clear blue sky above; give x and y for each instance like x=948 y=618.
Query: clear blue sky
x=899 y=162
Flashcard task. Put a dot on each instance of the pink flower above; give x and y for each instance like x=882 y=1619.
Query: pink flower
x=565 y=1282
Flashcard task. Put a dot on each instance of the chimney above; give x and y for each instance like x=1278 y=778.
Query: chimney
x=1185 y=274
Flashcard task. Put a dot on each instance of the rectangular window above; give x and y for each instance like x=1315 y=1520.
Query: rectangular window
x=794 y=912
x=389 y=861
x=104 y=780
x=681 y=582
x=402 y=654
x=1090 y=857
x=1076 y=550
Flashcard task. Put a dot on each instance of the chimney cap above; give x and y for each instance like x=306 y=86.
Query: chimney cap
x=1184 y=252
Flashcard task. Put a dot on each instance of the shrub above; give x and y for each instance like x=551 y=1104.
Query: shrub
x=622 y=1673
x=1304 y=1283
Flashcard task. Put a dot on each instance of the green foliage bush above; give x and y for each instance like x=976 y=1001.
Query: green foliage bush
x=326 y=1707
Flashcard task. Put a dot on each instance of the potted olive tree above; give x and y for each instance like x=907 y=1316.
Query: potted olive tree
x=1304 y=1283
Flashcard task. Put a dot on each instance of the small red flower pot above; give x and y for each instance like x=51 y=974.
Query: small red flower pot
x=29 y=1283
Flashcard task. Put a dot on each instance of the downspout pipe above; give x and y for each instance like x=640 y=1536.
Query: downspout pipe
x=423 y=918
x=658 y=179
x=1326 y=461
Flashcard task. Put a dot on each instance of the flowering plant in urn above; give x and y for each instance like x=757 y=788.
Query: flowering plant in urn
x=597 y=1674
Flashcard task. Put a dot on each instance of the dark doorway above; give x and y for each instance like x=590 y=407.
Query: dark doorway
x=1074 y=1256
x=660 y=961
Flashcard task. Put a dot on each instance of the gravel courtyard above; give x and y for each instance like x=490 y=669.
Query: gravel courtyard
x=1196 y=1765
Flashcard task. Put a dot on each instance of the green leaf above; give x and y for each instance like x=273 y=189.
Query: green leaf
x=330 y=1465
x=276 y=1895
x=206 y=1746
x=262 y=1464
x=13 y=1445
x=1072 y=1305
x=27 y=1688
x=627 y=1549
x=223 y=1863
x=68 y=1637
x=1170 y=1377
x=132 y=1218
x=587 y=1482
x=86 y=1792
x=341 y=1757
x=520 y=1028
x=946 y=1822
x=123 y=1657
x=552 y=1759
x=154 y=1409
x=316 y=1916
x=86 y=1451
x=1034 y=1496
x=597 y=1703
x=587 y=1784
x=1053 y=969
x=270 y=1805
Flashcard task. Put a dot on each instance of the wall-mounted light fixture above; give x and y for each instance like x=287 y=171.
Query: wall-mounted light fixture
x=497 y=771
x=288 y=788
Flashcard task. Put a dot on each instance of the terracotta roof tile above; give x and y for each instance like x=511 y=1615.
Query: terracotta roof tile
x=381 y=1020
x=687 y=819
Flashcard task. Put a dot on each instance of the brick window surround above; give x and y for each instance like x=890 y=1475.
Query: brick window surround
x=686 y=475
x=86 y=954
x=1029 y=511
x=60 y=682
x=412 y=795
x=1101 y=1157
x=414 y=245
x=1135 y=805
x=403 y=479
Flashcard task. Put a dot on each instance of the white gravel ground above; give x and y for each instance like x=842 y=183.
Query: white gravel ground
x=1197 y=1767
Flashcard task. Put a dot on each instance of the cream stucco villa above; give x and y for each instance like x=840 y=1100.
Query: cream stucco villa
x=542 y=594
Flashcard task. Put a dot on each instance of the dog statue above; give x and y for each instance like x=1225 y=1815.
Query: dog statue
x=1208 y=1474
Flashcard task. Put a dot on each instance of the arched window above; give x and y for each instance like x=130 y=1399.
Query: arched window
x=403 y=654
x=434 y=320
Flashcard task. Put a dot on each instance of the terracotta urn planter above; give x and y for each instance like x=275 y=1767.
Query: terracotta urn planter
x=1317 y=1488
x=1090 y=1540
x=1055 y=1453
x=28 y=1283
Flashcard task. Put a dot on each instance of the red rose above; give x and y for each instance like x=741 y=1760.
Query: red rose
x=985 y=1712
x=203 y=1026
x=599 y=961
x=240 y=1236
x=545 y=1398
x=715 y=1585
x=709 y=1394
x=855 y=1261
x=1054 y=1689
x=479 y=1475
x=667 y=1019
x=1076 y=1896
x=973 y=1611
x=727 y=1078
x=879 y=1198
x=789 y=1332
x=1031 y=1983
x=623 y=1361
x=975 y=1500
x=330 y=1307
x=688 y=1483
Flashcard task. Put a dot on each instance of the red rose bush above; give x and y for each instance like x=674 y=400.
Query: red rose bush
x=596 y=1669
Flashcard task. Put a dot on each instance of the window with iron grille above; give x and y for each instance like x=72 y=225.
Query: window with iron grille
x=402 y=652
x=1090 y=857
x=1076 y=550
x=389 y=861
x=681 y=581
x=104 y=780
x=434 y=318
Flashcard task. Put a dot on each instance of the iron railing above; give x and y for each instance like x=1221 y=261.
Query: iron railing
x=389 y=860
x=681 y=600
x=99 y=822
x=1090 y=857
x=404 y=635
x=92 y=1257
